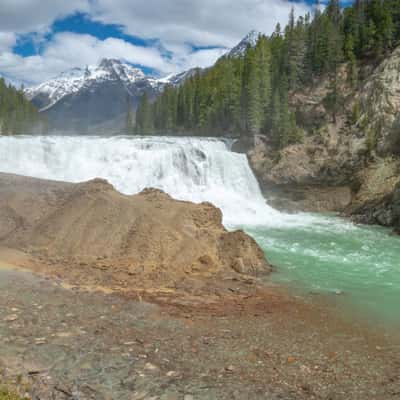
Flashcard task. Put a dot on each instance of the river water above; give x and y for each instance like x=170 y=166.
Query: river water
x=315 y=254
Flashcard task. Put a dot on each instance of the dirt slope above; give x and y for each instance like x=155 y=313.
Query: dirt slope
x=149 y=237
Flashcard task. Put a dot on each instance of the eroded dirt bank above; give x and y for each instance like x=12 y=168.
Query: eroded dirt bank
x=89 y=234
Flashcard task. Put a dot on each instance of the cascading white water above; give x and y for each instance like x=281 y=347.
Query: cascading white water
x=194 y=169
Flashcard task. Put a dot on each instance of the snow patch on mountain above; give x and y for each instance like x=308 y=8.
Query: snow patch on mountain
x=177 y=79
x=249 y=40
x=74 y=80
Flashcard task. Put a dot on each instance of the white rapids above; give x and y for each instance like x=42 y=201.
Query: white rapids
x=187 y=168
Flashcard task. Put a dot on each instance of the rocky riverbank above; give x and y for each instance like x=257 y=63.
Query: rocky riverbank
x=72 y=343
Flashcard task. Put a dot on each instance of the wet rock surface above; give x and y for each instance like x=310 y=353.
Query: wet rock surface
x=75 y=344
x=378 y=198
x=313 y=176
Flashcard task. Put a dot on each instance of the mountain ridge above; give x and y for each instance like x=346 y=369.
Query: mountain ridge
x=98 y=96
x=249 y=40
x=73 y=80
x=124 y=82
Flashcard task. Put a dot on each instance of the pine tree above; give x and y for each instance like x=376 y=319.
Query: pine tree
x=129 y=117
x=333 y=11
x=284 y=113
x=295 y=36
x=264 y=64
x=276 y=119
x=352 y=60
x=144 y=116
x=17 y=114
x=254 y=105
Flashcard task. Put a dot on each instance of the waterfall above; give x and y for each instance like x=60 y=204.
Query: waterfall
x=193 y=169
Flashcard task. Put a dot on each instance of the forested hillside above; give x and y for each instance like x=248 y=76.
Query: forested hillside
x=17 y=114
x=251 y=94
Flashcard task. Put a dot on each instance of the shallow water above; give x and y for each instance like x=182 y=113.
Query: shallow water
x=358 y=266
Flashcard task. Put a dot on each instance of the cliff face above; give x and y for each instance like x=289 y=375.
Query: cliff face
x=313 y=176
x=378 y=199
x=379 y=104
x=351 y=165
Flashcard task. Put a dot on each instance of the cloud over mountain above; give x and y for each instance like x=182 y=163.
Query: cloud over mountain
x=162 y=36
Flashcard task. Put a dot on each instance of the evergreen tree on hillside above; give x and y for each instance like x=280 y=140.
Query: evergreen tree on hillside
x=333 y=10
x=144 y=116
x=349 y=54
x=335 y=55
x=292 y=63
x=129 y=116
x=264 y=61
x=296 y=38
x=230 y=99
x=250 y=95
x=17 y=114
x=254 y=105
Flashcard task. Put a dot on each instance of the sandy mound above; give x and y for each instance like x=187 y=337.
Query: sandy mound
x=91 y=225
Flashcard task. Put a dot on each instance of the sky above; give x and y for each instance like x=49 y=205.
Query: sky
x=39 y=39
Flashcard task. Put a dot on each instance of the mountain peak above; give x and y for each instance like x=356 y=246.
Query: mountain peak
x=76 y=79
x=252 y=37
x=249 y=40
x=119 y=70
x=109 y=62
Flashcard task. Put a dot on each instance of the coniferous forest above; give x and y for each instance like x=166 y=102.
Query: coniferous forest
x=17 y=114
x=250 y=94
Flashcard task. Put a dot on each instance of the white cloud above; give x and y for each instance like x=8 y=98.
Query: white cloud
x=204 y=58
x=22 y=16
x=185 y=58
x=176 y=24
x=206 y=22
x=68 y=50
x=66 y=47
x=7 y=41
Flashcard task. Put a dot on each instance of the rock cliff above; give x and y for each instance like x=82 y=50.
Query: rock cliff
x=350 y=165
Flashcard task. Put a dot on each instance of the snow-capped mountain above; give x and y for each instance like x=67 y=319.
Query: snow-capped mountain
x=99 y=97
x=249 y=40
x=177 y=79
x=50 y=92
x=93 y=98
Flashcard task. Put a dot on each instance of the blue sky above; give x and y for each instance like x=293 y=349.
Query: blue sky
x=80 y=23
x=41 y=38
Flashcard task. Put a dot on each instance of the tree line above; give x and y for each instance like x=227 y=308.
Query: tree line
x=17 y=113
x=250 y=94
